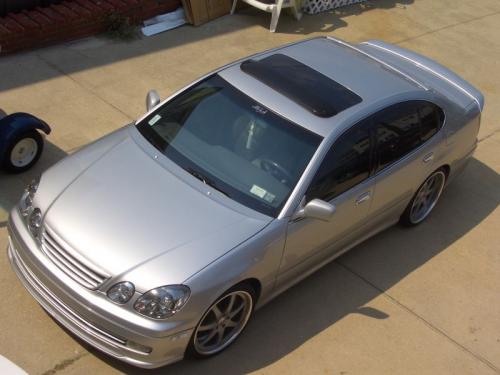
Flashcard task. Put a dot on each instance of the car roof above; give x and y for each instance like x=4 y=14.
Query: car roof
x=365 y=76
x=304 y=85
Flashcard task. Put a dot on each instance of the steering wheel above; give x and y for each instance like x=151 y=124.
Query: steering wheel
x=276 y=170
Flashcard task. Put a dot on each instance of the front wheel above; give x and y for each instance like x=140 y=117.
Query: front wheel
x=223 y=322
x=424 y=199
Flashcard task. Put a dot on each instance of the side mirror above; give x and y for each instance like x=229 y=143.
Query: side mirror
x=316 y=209
x=152 y=100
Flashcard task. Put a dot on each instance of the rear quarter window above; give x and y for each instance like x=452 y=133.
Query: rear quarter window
x=431 y=118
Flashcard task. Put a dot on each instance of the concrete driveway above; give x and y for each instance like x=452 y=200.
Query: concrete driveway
x=419 y=301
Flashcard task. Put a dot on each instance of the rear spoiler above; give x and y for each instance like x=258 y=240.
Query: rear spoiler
x=428 y=72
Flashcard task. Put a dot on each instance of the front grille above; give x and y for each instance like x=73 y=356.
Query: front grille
x=62 y=308
x=69 y=262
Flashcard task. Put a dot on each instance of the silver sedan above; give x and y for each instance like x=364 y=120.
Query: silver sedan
x=162 y=238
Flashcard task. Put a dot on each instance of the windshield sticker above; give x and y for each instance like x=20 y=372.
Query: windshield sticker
x=258 y=191
x=262 y=193
x=154 y=120
x=269 y=197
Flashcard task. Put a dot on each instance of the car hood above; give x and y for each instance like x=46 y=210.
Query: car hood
x=126 y=211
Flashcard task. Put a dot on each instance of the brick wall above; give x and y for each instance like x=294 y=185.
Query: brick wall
x=72 y=19
x=8 y=6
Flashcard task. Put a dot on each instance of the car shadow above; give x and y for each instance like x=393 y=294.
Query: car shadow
x=12 y=185
x=348 y=284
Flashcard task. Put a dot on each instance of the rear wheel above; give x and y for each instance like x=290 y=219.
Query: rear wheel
x=425 y=199
x=223 y=322
x=23 y=152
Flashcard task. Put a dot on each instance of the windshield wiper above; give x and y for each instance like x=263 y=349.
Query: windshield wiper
x=205 y=180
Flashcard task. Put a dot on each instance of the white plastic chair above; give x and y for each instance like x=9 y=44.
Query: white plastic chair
x=274 y=8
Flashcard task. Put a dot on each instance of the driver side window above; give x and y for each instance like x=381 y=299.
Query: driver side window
x=345 y=165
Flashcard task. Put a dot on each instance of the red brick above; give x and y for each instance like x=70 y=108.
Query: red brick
x=21 y=40
x=39 y=18
x=64 y=11
x=146 y=5
x=11 y=24
x=87 y=4
x=103 y=5
x=8 y=38
x=77 y=8
x=52 y=38
x=91 y=30
x=17 y=45
x=134 y=10
x=74 y=19
x=23 y=20
x=51 y=14
x=52 y=28
x=154 y=9
x=117 y=4
x=4 y=30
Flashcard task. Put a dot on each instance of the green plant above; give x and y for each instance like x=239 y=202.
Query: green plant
x=118 y=26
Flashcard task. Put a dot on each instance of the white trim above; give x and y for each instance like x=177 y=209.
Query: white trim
x=408 y=77
x=424 y=67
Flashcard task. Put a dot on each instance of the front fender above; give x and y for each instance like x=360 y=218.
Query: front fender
x=20 y=122
x=17 y=123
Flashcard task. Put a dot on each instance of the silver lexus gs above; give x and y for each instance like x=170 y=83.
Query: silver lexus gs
x=161 y=239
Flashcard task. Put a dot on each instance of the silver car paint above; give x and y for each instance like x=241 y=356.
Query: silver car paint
x=137 y=215
x=123 y=201
x=425 y=70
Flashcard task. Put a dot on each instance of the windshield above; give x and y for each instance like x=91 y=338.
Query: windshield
x=232 y=143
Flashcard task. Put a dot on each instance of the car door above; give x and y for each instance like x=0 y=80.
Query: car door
x=342 y=180
x=407 y=151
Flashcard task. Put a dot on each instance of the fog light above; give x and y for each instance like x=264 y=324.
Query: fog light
x=121 y=292
x=35 y=222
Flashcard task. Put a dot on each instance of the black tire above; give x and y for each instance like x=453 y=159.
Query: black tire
x=244 y=287
x=7 y=162
x=406 y=218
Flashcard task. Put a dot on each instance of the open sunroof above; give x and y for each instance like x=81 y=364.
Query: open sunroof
x=307 y=87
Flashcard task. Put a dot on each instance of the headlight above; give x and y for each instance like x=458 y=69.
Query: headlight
x=121 y=292
x=35 y=222
x=26 y=203
x=162 y=302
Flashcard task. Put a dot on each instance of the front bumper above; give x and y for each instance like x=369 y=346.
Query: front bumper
x=86 y=322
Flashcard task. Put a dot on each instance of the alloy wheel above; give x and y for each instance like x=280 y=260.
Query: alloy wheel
x=427 y=197
x=223 y=323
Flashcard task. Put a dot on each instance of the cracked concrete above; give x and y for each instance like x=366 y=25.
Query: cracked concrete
x=417 y=301
x=64 y=364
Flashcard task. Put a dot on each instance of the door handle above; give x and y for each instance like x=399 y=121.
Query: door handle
x=429 y=157
x=363 y=198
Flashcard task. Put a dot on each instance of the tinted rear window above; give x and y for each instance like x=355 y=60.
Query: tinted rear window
x=398 y=132
x=307 y=87
x=404 y=127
